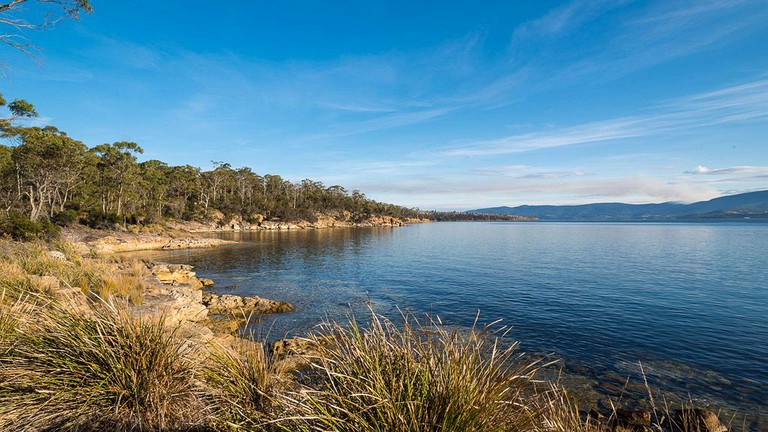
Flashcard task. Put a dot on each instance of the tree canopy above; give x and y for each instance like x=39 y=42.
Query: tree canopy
x=47 y=175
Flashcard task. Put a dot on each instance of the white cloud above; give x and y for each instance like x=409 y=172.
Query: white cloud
x=740 y=169
x=471 y=193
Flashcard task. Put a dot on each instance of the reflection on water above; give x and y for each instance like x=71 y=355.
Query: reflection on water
x=688 y=300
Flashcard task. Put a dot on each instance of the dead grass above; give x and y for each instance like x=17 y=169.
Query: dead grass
x=106 y=371
x=23 y=264
x=416 y=377
x=244 y=387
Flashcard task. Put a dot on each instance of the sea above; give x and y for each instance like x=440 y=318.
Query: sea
x=673 y=309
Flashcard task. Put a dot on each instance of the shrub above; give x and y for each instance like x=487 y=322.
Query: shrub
x=106 y=371
x=99 y=220
x=19 y=227
x=65 y=218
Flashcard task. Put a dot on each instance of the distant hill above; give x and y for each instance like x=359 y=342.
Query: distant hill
x=752 y=205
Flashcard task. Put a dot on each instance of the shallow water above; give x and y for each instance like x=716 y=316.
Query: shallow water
x=688 y=301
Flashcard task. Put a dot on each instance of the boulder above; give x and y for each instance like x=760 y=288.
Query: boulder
x=174 y=274
x=176 y=304
x=58 y=256
x=232 y=304
x=638 y=417
x=270 y=225
x=697 y=420
x=293 y=346
x=206 y=282
x=293 y=354
x=45 y=283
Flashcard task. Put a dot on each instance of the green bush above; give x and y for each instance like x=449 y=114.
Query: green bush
x=99 y=220
x=65 y=218
x=19 y=227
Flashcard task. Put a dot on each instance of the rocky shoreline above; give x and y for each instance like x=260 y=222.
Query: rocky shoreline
x=175 y=295
x=258 y=222
x=188 y=306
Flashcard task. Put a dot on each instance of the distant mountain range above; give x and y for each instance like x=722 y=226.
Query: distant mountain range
x=746 y=205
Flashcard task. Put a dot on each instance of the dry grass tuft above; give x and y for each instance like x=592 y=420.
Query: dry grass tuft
x=106 y=371
x=416 y=377
x=244 y=387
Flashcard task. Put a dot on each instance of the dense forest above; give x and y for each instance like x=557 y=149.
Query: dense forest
x=46 y=175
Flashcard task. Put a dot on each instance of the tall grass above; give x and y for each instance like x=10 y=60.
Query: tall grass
x=416 y=377
x=244 y=387
x=106 y=371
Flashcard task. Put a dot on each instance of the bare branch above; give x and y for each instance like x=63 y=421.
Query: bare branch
x=9 y=18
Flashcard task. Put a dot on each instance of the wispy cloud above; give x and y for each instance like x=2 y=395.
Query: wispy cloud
x=741 y=169
x=632 y=189
x=356 y=108
x=737 y=103
x=525 y=172
x=628 y=36
x=562 y=20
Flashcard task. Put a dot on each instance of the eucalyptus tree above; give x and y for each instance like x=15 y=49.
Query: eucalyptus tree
x=8 y=188
x=49 y=166
x=155 y=184
x=17 y=109
x=118 y=172
x=184 y=186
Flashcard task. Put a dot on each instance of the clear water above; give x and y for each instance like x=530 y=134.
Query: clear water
x=689 y=301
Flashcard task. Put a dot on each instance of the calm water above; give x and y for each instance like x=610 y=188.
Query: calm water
x=689 y=301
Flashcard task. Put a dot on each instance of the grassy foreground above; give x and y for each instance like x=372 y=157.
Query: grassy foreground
x=101 y=368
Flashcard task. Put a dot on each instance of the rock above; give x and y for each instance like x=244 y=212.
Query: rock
x=293 y=354
x=45 y=283
x=633 y=416
x=697 y=420
x=192 y=243
x=232 y=304
x=225 y=325
x=56 y=255
x=174 y=274
x=176 y=304
x=269 y=225
x=292 y=346
x=596 y=415
x=206 y=282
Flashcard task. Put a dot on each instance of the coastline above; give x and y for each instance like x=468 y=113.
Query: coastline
x=176 y=297
x=175 y=235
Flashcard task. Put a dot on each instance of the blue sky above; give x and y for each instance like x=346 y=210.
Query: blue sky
x=436 y=105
